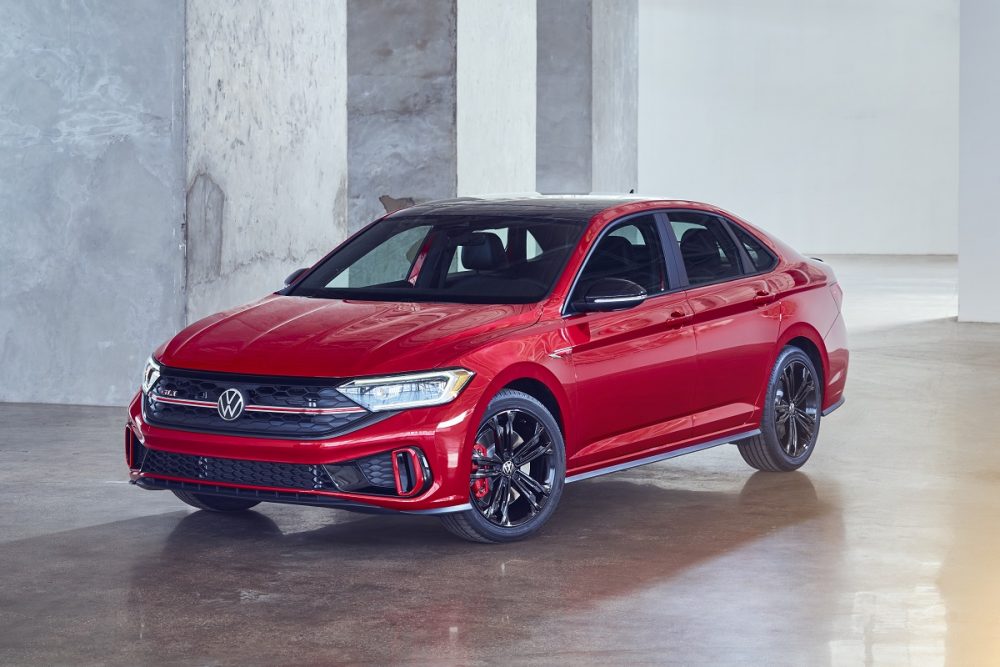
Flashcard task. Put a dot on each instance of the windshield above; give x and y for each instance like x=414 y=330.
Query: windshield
x=447 y=258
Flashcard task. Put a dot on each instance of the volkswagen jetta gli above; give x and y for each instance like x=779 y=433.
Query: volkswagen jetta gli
x=467 y=358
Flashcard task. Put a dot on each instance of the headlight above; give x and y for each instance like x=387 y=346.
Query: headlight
x=416 y=390
x=150 y=375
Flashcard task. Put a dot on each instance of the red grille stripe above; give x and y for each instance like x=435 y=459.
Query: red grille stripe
x=258 y=408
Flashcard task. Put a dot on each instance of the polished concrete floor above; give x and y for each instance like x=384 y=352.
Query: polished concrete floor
x=884 y=549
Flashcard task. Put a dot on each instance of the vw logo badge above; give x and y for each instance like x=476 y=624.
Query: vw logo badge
x=230 y=404
x=508 y=468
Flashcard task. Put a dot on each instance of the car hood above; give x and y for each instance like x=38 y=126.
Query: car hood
x=304 y=337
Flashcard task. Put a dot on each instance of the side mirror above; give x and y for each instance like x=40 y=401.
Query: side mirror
x=294 y=275
x=610 y=294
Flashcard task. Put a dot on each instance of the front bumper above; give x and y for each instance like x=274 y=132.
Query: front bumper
x=440 y=434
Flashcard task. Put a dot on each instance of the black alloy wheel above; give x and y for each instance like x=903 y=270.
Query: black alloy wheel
x=796 y=405
x=516 y=474
x=792 y=412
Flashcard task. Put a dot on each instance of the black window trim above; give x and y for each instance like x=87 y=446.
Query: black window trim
x=676 y=278
x=748 y=266
x=747 y=269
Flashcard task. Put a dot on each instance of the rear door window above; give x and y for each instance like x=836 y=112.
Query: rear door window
x=708 y=250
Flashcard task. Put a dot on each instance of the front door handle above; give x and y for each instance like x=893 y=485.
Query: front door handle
x=763 y=297
x=679 y=315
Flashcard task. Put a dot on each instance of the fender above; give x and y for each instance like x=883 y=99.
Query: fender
x=500 y=376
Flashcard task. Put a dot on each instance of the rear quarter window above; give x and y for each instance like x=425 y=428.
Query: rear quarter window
x=761 y=258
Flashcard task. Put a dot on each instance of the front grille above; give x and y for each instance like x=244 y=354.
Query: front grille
x=200 y=392
x=236 y=471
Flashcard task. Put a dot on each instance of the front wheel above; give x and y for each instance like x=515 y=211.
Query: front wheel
x=204 y=501
x=790 y=425
x=517 y=473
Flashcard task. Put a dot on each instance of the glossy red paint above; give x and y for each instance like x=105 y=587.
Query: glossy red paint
x=684 y=367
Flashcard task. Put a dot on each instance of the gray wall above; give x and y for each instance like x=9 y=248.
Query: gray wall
x=587 y=97
x=266 y=144
x=564 y=151
x=91 y=194
x=400 y=102
x=616 y=95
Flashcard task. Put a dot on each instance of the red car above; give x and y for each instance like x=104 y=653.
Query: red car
x=466 y=358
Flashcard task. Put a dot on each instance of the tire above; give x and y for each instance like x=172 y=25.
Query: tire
x=789 y=427
x=204 y=501
x=506 y=506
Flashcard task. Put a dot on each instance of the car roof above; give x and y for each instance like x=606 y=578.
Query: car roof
x=564 y=207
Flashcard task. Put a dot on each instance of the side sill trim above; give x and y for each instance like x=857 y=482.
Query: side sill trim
x=834 y=406
x=441 y=510
x=662 y=457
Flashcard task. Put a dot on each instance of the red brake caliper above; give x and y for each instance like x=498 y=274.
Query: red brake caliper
x=480 y=487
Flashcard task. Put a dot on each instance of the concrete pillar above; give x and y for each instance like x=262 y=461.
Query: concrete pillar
x=979 y=169
x=565 y=47
x=401 y=140
x=615 y=95
x=587 y=96
x=267 y=144
x=441 y=101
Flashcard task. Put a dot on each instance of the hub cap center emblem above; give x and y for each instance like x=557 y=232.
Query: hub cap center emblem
x=508 y=468
x=230 y=404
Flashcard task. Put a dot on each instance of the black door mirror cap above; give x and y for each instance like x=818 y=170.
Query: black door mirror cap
x=611 y=294
x=293 y=276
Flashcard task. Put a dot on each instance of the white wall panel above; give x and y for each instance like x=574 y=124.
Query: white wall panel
x=832 y=124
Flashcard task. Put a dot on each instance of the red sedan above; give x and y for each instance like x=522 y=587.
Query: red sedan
x=467 y=358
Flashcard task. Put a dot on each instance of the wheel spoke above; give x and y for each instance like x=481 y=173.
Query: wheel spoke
x=528 y=455
x=803 y=393
x=526 y=494
x=805 y=422
x=508 y=434
x=787 y=381
x=501 y=489
x=793 y=438
x=532 y=483
x=505 y=503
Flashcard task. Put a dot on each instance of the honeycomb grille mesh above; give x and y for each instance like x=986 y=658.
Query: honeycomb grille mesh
x=234 y=471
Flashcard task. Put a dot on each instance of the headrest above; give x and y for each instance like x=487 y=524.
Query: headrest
x=483 y=251
x=612 y=254
x=699 y=241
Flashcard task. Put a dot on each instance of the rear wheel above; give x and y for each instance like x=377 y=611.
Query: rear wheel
x=517 y=472
x=205 y=501
x=790 y=425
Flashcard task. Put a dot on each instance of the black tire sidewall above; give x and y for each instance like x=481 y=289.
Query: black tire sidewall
x=509 y=399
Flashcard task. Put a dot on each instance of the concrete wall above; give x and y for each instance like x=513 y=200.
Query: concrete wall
x=91 y=194
x=587 y=118
x=495 y=124
x=267 y=144
x=979 y=228
x=615 y=117
x=563 y=159
x=832 y=124
x=400 y=103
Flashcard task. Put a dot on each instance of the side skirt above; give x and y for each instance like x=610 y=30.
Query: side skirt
x=662 y=457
